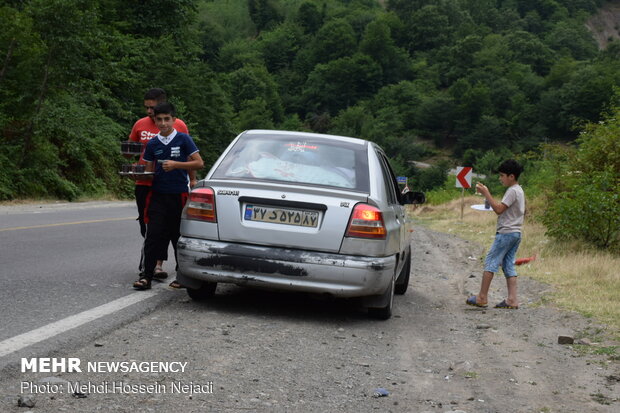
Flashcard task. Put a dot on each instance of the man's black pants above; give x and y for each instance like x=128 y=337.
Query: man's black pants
x=141 y=192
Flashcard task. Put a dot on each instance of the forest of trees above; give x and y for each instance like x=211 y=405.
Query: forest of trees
x=464 y=79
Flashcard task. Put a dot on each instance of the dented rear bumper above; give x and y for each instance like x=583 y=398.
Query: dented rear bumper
x=280 y=268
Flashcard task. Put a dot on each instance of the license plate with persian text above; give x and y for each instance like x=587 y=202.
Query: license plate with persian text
x=286 y=216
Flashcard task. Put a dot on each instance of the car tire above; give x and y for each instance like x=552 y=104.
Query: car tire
x=402 y=283
x=384 y=313
x=206 y=290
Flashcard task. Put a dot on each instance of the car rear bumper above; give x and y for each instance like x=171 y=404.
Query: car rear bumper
x=281 y=268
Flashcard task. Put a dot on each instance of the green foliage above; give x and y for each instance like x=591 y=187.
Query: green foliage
x=254 y=114
x=280 y=46
x=74 y=73
x=334 y=40
x=158 y=18
x=351 y=121
x=465 y=77
x=379 y=44
x=7 y=177
x=342 y=83
x=434 y=117
x=526 y=48
x=590 y=212
x=236 y=54
x=585 y=203
x=293 y=123
x=446 y=192
x=430 y=28
x=582 y=96
x=251 y=82
x=264 y=13
x=572 y=39
x=231 y=17
x=310 y=17
x=207 y=110
x=433 y=177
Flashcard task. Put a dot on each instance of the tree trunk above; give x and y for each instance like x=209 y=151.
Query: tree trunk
x=30 y=129
x=7 y=59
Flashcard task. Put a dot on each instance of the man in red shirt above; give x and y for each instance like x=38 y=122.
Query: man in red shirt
x=143 y=130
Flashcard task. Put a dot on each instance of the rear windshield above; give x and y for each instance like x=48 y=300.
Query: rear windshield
x=302 y=160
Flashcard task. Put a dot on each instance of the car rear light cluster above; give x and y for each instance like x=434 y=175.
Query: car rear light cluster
x=366 y=222
x=201 y=205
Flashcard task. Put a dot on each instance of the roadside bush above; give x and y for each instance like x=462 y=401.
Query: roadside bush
x=433 y=177
x=7 y=187
x=589 y=211
x=586 y=201
x=81 y=151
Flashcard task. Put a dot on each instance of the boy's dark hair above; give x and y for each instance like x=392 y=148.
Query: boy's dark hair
x=156 y=94
x=165 y=108
x=511 y=167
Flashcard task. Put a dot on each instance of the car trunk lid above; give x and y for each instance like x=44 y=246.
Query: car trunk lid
x=291 y=216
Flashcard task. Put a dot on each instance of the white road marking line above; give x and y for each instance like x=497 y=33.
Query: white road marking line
x=61 y=224
x=16 y=343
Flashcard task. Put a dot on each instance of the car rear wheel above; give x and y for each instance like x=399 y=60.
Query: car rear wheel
x=384 y=313
x=206 y=290
x=402 y=283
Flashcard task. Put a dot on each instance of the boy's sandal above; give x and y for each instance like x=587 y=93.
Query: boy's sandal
x=175 y=284
x=507 y=306
x=142 y=284
x=473 y=300
x=159 y=273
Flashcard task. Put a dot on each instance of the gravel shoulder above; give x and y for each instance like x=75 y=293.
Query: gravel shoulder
x=249 y=350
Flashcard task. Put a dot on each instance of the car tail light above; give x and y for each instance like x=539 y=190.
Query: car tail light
x=201 y=205
x=366 y=222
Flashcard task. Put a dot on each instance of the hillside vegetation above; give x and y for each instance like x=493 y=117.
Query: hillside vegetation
x=468 y=81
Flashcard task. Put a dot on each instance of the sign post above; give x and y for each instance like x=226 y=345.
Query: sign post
x=463 y=180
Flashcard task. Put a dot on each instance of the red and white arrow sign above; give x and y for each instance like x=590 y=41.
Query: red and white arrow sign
x=463 y=176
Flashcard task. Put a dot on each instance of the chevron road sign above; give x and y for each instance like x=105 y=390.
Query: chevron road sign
x=463 y=177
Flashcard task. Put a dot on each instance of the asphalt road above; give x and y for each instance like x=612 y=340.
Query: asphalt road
x=66 y=271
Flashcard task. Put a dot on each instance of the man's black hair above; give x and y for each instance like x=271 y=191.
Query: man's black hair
x=156 y=94
x=165 y=108
x=511 y=167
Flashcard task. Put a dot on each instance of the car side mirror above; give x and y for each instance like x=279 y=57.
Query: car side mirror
x=413 y=198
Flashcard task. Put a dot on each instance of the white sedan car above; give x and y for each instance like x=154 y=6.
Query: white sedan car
x=302 y=212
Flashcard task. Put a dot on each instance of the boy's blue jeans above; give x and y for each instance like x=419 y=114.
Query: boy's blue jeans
x=503 y=252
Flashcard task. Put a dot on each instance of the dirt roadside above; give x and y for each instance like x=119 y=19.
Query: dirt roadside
x=261 y=351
